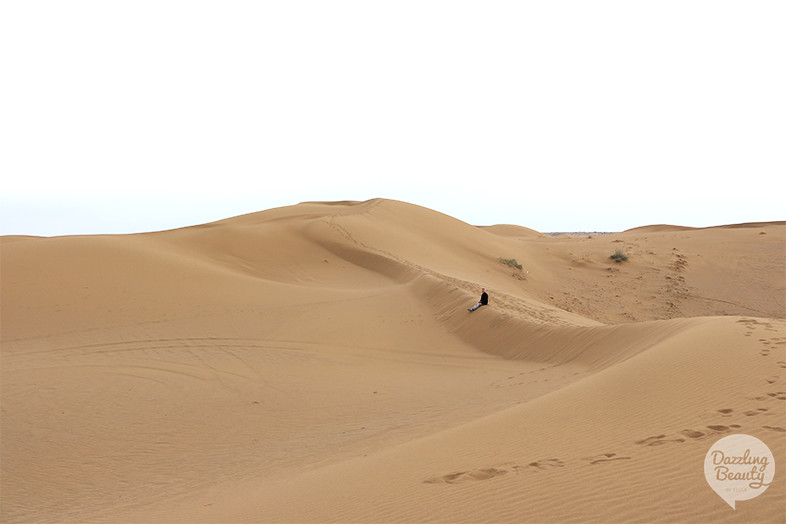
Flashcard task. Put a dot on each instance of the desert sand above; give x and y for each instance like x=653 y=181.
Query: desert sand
x=317 y=363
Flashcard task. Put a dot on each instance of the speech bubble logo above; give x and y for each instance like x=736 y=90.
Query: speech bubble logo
x=739 y=467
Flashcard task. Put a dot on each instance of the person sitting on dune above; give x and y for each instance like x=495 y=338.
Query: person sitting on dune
x=484 y=300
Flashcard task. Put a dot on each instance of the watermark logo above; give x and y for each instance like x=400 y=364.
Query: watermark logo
x=739 y=467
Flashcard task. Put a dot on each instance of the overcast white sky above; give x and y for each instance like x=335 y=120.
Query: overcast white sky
x=128 y=116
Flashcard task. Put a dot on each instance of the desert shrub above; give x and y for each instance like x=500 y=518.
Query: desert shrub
x=511 y=262
x=619 y=256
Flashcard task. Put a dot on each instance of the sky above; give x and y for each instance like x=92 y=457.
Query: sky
x=123 y=117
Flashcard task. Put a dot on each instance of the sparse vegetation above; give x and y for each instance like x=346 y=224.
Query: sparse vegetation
x=618 y=256
x=511 y=262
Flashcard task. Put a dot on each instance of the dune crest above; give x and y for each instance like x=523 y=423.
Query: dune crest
x=232 y=371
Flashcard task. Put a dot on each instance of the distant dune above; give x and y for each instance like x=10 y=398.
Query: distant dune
x=317 y=363
x=659 y=228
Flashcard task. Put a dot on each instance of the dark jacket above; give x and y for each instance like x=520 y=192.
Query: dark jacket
x=484 y=299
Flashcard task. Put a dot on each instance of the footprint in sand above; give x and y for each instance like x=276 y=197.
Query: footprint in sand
x=781 y=364
x=780 y=395
x=657 y=440
x=724 y=429
x=694 y=434
x=726 y=412
x=546 y=464
x=488 y=473
x=605 y=457
x=775 y=428
x=754 y=412
x=462 y=476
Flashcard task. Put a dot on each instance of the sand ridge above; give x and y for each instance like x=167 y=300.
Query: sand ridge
x=233 y=371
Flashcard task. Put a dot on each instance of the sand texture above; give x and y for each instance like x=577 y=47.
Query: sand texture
x=317 y=363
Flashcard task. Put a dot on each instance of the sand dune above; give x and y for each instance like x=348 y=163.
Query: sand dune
x=667 y=227
x=316 y=363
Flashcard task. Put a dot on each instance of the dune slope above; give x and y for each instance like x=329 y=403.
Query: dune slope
x=234 y=371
